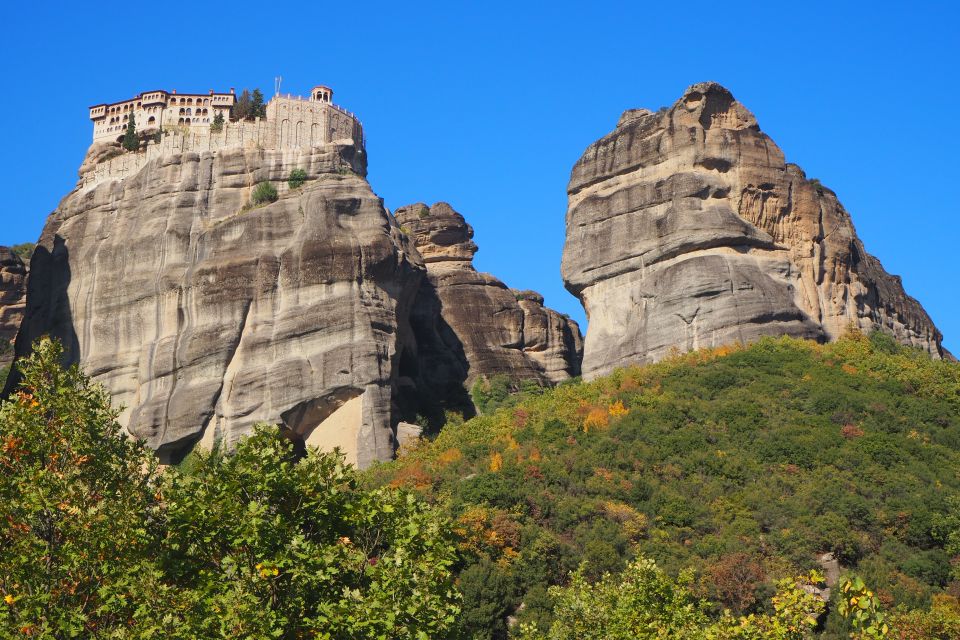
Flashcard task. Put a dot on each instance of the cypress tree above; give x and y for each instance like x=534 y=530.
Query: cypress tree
x=131 y=142
x=257 y=108
x=241 y=110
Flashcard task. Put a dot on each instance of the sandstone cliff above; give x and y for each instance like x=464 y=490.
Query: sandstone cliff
x=203 y=317
x=469 y=324
x=13 y=292
x=686 y=228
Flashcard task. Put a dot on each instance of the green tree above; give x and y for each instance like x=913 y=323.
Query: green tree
x=131 y=141
x=76 y=497
x=217 y=125
x=241 y=108
x=257 y=108
x=269 y=547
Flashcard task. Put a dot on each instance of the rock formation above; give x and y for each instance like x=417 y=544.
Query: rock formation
x=13 y=292
x=203 y=315
x=469 y=324
x=686 y=229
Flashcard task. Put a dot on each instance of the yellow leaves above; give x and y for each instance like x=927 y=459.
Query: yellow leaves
x=449 y=456
x=345 y=541
x=848 y=369
x=617 y=409
x=266 y=571
x=597 y=418
x=633 y=522
x=496 y=461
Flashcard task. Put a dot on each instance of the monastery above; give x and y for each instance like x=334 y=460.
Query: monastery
x=183 y=122
x=298 y=121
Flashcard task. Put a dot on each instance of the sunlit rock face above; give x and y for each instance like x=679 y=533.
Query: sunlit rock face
x=470 y=324
x=203 y=317
x=686 y=228
x=13 y=293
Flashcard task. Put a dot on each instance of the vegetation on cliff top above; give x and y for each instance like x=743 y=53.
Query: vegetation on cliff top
x=745 y=464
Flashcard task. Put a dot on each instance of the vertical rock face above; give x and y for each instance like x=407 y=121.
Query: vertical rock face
x=203 y=316
x=13 y=293
x=470 y=324
x=686 y=228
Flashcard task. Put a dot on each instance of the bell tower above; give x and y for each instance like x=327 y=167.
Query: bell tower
x=321 y=93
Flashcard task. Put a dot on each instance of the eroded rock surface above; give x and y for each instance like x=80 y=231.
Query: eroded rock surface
x=203 y=318
x=470 y=324
x=13 y=293
x=686 y=228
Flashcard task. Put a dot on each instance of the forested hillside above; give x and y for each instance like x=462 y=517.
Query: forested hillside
x=743 y=464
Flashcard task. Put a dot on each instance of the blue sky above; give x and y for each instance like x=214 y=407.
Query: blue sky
x=488 y=106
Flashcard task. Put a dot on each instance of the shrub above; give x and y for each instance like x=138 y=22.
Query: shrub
x=24 y=251
x=297 y=178
x=264 y=193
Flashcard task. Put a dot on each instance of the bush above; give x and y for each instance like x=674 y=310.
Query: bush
x=264 y=193
x=24 y=251
x=297 y=178
x=644 y=603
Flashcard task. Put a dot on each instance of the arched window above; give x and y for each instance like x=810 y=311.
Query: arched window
x=189 y=100
x=180 y=121
x=182 y=111
x=188 y=111
x=151 y=120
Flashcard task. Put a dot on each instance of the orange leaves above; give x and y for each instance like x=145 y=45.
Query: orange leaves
x=483 y=529
x=13 y=446
x=851 y=431
x=597 y=418
x=412 y=476
x=496 y=461
x=27 y=399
